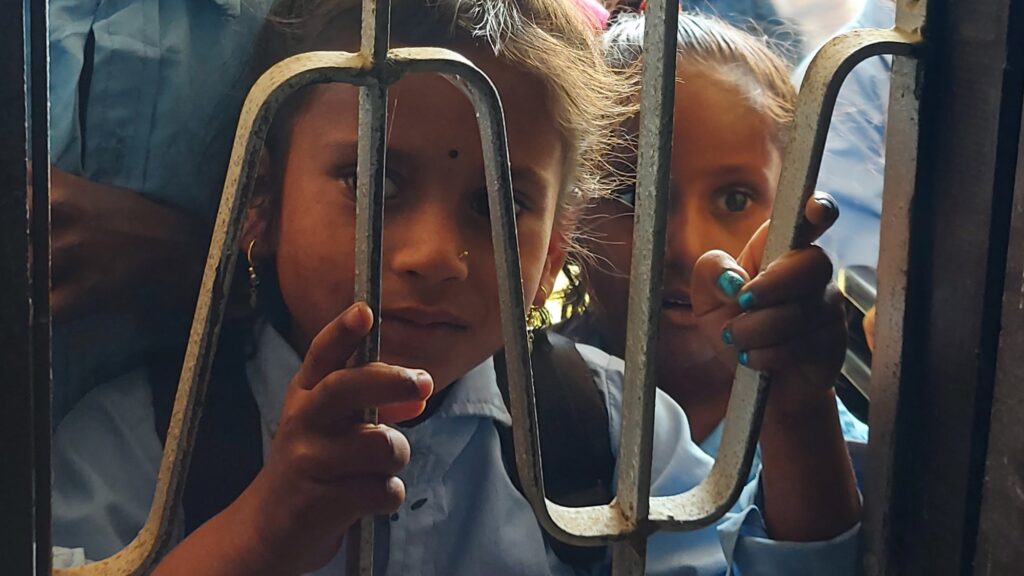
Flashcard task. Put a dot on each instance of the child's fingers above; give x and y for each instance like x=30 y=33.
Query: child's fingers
x=341 y=396
x=820 y=213
x=796 y=275
x=807 y=350
x=401 y=412
x=355 y=497
x=335 y=344
x=363 y=450
x=786 y=322
x=752 y=254
x=716 y=281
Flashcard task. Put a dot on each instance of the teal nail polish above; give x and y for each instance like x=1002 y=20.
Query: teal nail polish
x=727 y=336
x=747 y=300
x=730 y=283
x=744 y=358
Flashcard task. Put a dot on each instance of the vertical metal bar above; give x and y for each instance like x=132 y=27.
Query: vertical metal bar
x=934 y=376
x=370 y=176
x=653 y=169
x=40 y=238
x=894 y=358
x=1002 y=507
x=17 y=482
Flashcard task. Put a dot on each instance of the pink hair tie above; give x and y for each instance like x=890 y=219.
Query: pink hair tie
x=595 y=12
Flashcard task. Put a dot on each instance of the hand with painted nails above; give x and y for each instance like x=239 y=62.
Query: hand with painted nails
x=787 y=320
x=326 y=467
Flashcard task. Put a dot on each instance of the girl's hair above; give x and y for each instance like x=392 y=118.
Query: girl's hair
x=718 y=48
x=553 y=40
x=746 y=61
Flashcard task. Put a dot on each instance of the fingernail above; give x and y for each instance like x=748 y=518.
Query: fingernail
x=743 y=358
x=730 y=283
x=353 y=318
x=424 y=382
x=827 y=203
x=727 y=336
x=747 y=300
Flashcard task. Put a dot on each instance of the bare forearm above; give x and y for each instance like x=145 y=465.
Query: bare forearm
x=809 y=489
x=218 y=548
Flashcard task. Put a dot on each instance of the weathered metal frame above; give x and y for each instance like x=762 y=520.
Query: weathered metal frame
x=373 y=69
x=633 y=515
x=1002 y=506
x=24 y=290
x=938 y=356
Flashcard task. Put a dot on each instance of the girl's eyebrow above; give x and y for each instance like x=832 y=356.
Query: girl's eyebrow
x=528 y=177
x=731 y=170
x=523 y=176
x=349 y=149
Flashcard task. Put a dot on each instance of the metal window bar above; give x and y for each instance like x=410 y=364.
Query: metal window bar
x=24 y=289
x=633 y=515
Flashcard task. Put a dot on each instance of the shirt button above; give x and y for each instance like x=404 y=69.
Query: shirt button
x=394 y=517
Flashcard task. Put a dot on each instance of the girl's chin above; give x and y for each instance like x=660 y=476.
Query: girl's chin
x=683 y=349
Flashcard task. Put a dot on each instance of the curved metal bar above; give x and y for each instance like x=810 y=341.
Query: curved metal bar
x=815 y=103
x=588 y=525
x=564 y=523
x=265 y=98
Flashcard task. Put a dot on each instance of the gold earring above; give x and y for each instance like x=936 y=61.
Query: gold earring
x=537 y=318
x=254 y=278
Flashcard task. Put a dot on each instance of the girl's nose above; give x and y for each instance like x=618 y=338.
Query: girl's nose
x=426 y=244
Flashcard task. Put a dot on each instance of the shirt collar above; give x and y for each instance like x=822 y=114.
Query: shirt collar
x=476 y=395
x=275 y=364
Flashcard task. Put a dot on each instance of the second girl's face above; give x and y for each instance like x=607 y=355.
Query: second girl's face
x=725 y=170
x=440 y=307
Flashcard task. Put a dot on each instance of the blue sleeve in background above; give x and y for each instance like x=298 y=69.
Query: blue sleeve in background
x=852 y=167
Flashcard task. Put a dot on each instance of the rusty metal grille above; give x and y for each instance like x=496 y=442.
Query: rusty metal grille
x=634 y=515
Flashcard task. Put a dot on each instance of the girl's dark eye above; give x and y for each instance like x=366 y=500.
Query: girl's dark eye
x=482 y=207
x=390 y=187
x=734 y=200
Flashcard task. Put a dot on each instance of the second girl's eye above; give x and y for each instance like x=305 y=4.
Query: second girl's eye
x=734 y=200
x=348 y=178
x=482 y=207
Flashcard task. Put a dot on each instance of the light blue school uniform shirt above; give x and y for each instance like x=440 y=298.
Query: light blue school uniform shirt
x=760 y=17
x=462 y=515
x=852 y=167
x=156 y=115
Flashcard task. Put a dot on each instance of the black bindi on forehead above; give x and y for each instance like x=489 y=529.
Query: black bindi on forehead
x=453 y=154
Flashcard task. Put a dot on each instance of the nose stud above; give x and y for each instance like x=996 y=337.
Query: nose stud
x=463 y=255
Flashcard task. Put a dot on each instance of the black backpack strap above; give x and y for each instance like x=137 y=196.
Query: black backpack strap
x=578 y=461
x=228 y=449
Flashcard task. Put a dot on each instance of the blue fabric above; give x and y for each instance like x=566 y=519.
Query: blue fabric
x=756 y=16
x=157 y=116
x=852 y=168
x=853 y=431
x=462 y=514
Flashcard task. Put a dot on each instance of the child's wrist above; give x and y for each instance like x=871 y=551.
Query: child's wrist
x=251 y=545
x=787 y=409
